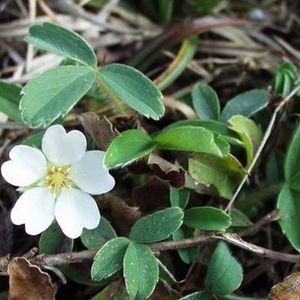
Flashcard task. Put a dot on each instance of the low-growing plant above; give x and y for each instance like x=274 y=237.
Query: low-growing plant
x=205 y=164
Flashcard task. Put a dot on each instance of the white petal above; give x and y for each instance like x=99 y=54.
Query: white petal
x=35 y=209
x=90 y=175
x=75 y=210
x=27 y=165
x=63 y=148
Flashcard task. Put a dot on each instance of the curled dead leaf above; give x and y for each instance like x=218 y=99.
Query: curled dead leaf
x=161 y=168
x=122 y=216
x=167 y=171
x=101 y=131
x=27 y=281
x=288 y=289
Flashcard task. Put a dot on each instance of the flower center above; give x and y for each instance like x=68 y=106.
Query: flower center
x=58 y=178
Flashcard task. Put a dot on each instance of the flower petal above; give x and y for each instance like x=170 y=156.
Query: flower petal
x=75 y=210
x=35 y=209
x=63 y=148
x=27 y=165
x=90 y=175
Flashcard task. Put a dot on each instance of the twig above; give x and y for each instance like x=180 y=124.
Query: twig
x=261 y=146
x=166 y=270
x=182 y=244
x=106 y=10
x=63 y=258
x=71 y=8
x=271 y=217
x=48 y=11
x=11 y=125
x=234 y=239
x=22 y=8
x=57 y=272
x=185 y=109
x=229 y=238
x=30 y=49
x=53 y=260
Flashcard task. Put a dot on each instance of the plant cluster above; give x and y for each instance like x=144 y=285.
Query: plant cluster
x=203 y=163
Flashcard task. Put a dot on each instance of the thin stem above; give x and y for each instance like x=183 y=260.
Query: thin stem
x=118 y=105
x=261 y=146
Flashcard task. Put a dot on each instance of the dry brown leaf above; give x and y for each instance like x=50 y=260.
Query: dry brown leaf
x=288 y=289
x=125 y=123
x=161 y=168
x=27 y=281
x=121 y=215
x=150 y=196
x=167 y=171
x=101 y=131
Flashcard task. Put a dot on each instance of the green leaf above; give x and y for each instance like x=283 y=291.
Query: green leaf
x=292 y=161
x=141 y=271
x=223 y=145
x=218 y=127
x=127 y=147
x=10 y=95
x=34 y=140
x=206 y=102
x=179 y=64
x=80 y=273
x=246 y=104
x=97 y=237
x=179 y=197
x=157 y=226
x=198 y=296
x=239 y=219
x=109 y=258
x=224 y=274
x=56 y=39
x=133 y=87
x=189 y=138
x=53 y=241
x=188 y=255
x=294 y=183
x=250 y=134
x=54 y=93
x=274 y=167
x=225 y=173
x=165 y=11
x=286 y=79
x=289 y=205
x=206 y=218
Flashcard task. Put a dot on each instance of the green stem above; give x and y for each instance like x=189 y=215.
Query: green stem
x=117 y=104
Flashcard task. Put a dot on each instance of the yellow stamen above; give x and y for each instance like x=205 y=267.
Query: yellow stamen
x=58 y=178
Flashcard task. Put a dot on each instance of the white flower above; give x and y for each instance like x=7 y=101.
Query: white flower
x=57 y=182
